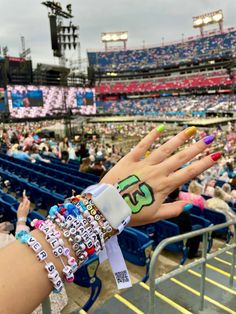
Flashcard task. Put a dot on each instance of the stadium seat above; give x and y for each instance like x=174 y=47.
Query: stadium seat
x=86 y=276
x=136 y=248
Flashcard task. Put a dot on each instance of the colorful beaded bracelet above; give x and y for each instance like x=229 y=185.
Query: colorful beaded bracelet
x=53 y=274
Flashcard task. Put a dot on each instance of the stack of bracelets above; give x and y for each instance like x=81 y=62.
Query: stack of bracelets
x=82 y=224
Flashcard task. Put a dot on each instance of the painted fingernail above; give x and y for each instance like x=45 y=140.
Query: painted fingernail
x=160 y=128
x=209 y=139
x=190 y=131
x=187 y=207
x=215 y=156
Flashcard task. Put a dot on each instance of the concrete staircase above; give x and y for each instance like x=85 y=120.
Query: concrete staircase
x=181 y=294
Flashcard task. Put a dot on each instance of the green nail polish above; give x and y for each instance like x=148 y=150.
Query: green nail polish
x=160 y=128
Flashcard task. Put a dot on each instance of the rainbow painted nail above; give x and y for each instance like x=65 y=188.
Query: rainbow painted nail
x=209 y=139
x=190 y=131
x=215 y=156
x=160 y=128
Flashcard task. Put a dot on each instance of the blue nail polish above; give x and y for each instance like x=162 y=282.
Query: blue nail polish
x=188 y=207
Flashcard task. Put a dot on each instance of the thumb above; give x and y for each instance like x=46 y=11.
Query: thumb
x=170 y=210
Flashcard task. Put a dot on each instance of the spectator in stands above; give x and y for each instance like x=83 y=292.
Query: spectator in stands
x=34 y=153
x=17 y=152
x=5 y=138
x=209 y=188
x=228 y=196
x=97 y=168
x=82 y=151
x=185 y=225
x=64 y=150
x=218 y=204
x=230 y=170
x=28 y=141
x=193 y=195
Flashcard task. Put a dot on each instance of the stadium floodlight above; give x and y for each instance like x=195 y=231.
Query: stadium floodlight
x=114 y=37
x=215 y=17
x=197 y=22
x=208 y=18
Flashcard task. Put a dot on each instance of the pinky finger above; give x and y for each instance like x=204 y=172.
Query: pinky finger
x=186 y=174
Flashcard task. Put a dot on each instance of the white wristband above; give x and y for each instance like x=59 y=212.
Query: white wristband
x=111 y=204
x=22 y=219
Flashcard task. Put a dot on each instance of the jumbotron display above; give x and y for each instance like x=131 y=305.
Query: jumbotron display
x=2 y=100
x=40 y=101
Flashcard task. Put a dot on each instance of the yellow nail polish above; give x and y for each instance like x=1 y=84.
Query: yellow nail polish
x=190 y=131
x=160 y=128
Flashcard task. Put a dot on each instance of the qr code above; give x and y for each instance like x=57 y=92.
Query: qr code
x=122 y=276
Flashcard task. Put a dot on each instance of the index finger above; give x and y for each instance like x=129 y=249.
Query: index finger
x=141 y=148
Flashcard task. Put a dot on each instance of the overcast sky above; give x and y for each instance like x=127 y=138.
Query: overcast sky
x=146 y=22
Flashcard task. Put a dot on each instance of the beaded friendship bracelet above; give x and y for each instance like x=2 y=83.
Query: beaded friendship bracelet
x=82 y=224
x=53 y=237
x=53 y=274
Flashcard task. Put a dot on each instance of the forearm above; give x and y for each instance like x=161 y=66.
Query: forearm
x=24 y=282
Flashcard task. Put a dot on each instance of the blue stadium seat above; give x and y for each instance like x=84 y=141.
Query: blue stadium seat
x=86 y=276
x=217 y=218
x=136 y=248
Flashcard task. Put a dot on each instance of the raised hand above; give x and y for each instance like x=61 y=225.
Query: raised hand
x=24 y=207
x=145 y=183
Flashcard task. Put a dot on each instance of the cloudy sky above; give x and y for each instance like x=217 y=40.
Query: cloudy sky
x=147 y=22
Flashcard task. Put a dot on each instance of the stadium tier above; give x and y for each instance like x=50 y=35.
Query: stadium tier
x=197 y=80
x=193 y=51
x=177 y=106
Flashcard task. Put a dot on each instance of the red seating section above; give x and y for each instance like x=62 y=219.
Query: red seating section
x=161 y=84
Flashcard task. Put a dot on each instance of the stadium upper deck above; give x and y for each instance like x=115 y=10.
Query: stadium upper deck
x=212 y=47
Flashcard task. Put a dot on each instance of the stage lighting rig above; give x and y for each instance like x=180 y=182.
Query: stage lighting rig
x=56 y=9
x=63 y=37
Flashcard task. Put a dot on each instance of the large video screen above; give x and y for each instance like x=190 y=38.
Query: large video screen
x=2 y=99
x=27 y=97
x=40 y=101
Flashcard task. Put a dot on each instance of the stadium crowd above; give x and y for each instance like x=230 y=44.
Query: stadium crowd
x=207 y=48
x=164 y=106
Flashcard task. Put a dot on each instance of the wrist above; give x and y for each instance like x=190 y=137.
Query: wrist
x=21 y=219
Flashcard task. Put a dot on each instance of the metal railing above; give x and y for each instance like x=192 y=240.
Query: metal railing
x=202 y=261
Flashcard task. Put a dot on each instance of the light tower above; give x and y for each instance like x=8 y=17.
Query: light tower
x=203 y=20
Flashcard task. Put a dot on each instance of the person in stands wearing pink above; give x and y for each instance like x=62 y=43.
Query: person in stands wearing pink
x=193 y=195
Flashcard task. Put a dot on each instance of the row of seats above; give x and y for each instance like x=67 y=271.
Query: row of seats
x=41 y=197
x=73 y=164
x=62 y=176
x=42 y=180
x=176 y=83
x=61 y=167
